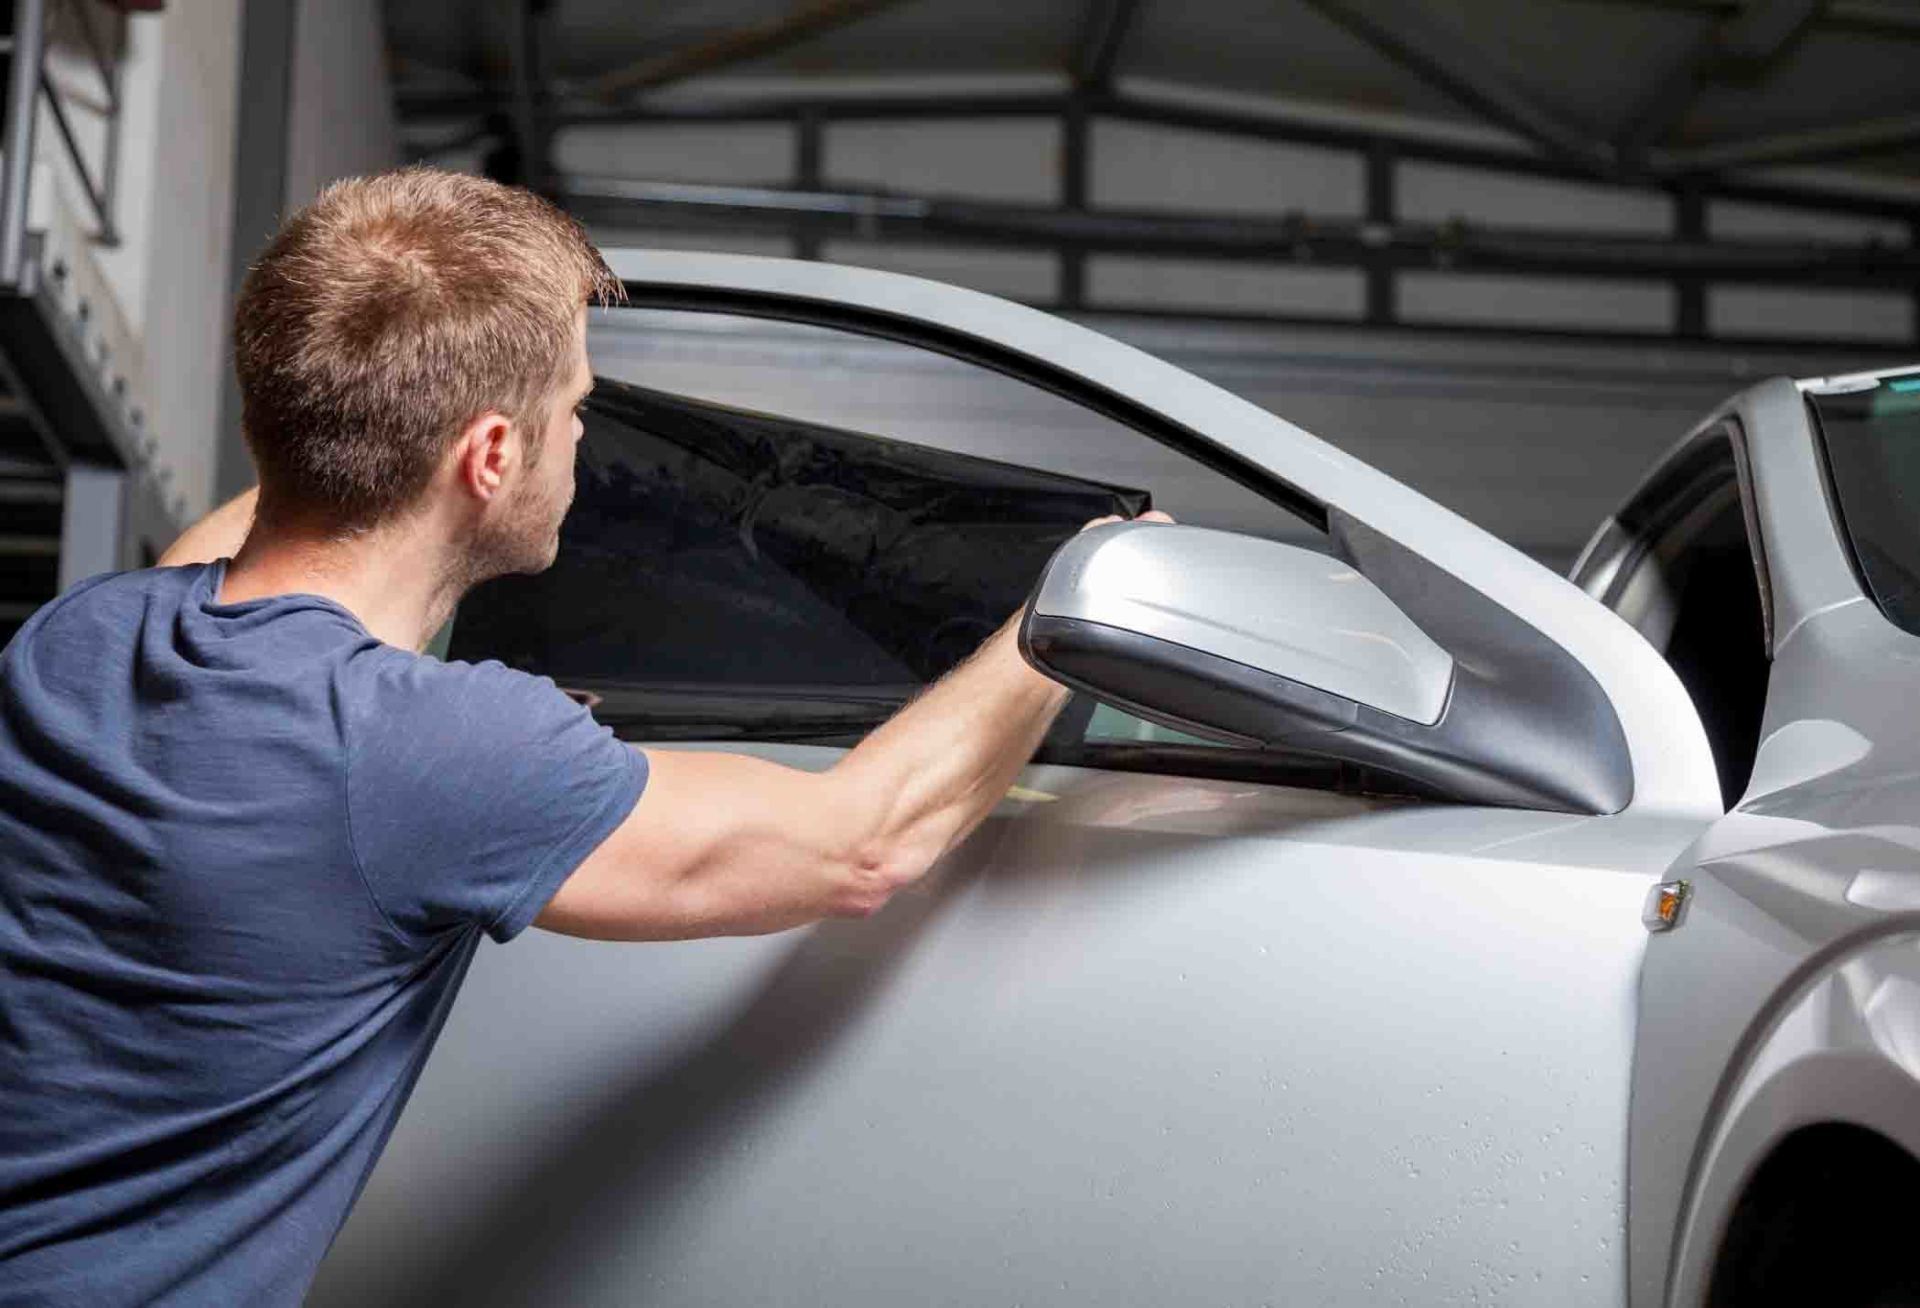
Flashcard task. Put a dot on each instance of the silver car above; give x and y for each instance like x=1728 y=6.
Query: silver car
x=1390 y=920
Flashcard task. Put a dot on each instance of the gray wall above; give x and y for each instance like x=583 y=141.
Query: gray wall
x=1151 y=167
x=340 y=112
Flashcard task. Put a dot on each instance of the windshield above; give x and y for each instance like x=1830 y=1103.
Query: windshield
x=1872 y=441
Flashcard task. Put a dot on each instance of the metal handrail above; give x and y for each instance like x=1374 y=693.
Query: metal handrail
x=101 y=192
x=26 y=79
x=23 y=79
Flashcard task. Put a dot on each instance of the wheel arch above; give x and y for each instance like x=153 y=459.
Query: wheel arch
x=1835 y=1058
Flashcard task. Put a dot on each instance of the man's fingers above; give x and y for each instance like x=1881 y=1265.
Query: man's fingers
x=1151 y=515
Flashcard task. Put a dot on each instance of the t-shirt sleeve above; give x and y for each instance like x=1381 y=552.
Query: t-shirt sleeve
x=474 y=791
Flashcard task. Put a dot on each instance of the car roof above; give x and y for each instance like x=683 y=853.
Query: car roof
x=1854 y=381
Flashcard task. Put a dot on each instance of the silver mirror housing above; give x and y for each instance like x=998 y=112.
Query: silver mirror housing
x=1372 y=655
x=1279 y=609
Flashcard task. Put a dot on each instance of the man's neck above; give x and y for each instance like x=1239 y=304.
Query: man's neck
x=393 y=579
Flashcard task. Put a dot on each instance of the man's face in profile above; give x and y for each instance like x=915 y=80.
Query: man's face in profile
x=526 y=538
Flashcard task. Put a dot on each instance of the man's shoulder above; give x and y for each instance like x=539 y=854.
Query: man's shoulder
x=388 y=669
x=394 y=692
x=120 y=590
x=97 y=618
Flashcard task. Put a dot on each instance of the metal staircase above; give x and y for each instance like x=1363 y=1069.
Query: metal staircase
x=31 y=493
x=65 y=420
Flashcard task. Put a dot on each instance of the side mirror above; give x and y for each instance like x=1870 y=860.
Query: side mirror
x=1260 y=644
x=1229 y=637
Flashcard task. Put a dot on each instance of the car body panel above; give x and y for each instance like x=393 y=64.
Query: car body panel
x=1808 y=562
x=1142 y=1039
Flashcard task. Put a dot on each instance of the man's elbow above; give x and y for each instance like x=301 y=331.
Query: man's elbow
x=869 y=877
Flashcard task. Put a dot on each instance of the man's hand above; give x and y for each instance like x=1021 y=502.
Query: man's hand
x=216 y=536
x=1151 y=515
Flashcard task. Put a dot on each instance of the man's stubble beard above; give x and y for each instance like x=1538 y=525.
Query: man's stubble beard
x=524 y=540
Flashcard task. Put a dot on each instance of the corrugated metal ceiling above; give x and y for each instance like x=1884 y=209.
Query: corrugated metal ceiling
x=1592 y=64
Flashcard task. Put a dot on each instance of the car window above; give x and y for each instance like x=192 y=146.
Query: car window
x=781 y=531
x=1872 y=441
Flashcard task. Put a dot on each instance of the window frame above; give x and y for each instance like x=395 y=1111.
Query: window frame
x=897 y=329
x=1704 y=467
x=1835 y=504
x=1679 y=484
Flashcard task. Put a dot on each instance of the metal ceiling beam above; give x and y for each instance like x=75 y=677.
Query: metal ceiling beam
x=443 y=107
x=1254 y=126
x=1744 y=43
x=1102 y=34
x=1896 y=206
x=1821 y=144
x=801 y=24
x=1897 y=19
x=1344 y=242
x=1407 y=32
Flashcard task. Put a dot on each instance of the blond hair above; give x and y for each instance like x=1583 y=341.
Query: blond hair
x=390 y=313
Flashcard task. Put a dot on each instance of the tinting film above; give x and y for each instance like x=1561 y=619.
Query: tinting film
x=722 y=570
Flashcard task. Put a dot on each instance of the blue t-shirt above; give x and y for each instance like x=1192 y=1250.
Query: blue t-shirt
x=246 y=854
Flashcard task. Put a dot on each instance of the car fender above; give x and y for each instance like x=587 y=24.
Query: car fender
x=1840 y=1043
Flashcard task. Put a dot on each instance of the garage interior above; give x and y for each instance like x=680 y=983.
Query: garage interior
x=1508 y=252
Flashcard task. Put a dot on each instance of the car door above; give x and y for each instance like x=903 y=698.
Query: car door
x=1180 y=1022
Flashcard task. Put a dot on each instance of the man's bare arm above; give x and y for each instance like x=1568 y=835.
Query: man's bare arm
x=723 y=844
x=216 y=536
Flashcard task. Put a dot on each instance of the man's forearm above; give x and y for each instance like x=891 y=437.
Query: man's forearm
x=941 y=764
x=216 y=536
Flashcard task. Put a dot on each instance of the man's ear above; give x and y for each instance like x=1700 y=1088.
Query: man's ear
x=486 y=456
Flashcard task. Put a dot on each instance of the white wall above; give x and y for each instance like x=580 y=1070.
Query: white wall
x=183 y=308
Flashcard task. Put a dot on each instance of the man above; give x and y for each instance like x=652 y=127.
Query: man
x=250 y=837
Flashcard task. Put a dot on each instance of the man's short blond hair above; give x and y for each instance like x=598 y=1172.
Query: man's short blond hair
x=390 y=313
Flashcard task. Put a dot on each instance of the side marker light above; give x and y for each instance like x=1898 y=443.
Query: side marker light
x=1666 y=905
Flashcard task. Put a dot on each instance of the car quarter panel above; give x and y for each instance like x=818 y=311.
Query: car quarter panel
x=1672 y=766
x=1141 y=1039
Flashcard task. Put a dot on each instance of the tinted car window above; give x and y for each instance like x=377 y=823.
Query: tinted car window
x=799 y=569
x=1872 y=443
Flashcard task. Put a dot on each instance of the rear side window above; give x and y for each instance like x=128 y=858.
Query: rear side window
x=1871 y=437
